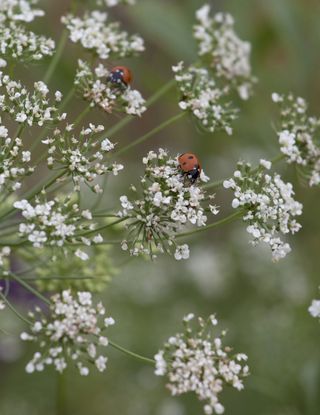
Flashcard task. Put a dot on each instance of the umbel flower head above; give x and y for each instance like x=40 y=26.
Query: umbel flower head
x=28 y=108
x=196 y=361
x=201 y=96
x=16 y=41
x=57 y=223
x=103 y=39
x=74 y=331
x=112 y=3
x=95 y=88
x=167 y=204
x=14 y=161
x=220 y=47
x=297 y=136
x=267 y=204
x=83 y=155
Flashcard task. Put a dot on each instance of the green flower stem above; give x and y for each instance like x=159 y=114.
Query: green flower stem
x=154 y=98
x=129 y=353
x=55 y=60
x=102 y=227
x=14 y=310
x=29 y=287
x=61 y=395
x=67 y=99
x=150 y=133
x=223 y=221
x=81 y=115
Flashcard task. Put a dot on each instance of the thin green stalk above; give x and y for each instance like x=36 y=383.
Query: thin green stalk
x=67 y=99
x=61 y=396
x=154 y=98
x=81 y=115
x=55 y=60
x=150 y=133
x=14 y=310
x=29 y=288
x=102 y=227
x=223 y=221
x=132 y=354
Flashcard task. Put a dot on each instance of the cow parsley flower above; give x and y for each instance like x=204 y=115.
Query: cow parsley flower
x=95 y=88
x=14 y=162
x=200 y=95
x=168 y=203
x=57 y=224
x=25 y=107
x=21 y=44
x=19 y=10
x=227 y=54
x=268 y=206
x=16 y=41
x=314 y=308
x=297 y=136
x=101 y=38
x=75 y=331
x=83 y=154
x=196 y=361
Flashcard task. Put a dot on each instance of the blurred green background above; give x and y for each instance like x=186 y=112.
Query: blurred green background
x=264 y=305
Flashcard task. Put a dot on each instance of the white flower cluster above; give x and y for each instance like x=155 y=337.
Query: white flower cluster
x=196 y=361
x=169 y=202
x=228 y=55
x=19 y=10
x=204 y=98
x=13 y=161
x=26 y=108
x=297 y=135
x=95 y=88
x=103 y=39
x=314 y=308
x=75 y=331
x=16 y=41
x=82 y=155
x=57 y=223
x=268 y=206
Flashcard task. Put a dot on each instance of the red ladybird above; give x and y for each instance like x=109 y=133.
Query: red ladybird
x=190 y=166
x=120 y=75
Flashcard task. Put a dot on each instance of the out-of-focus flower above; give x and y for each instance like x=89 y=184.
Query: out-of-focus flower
x=101 y=38
x=297 y=136
x=220 y=47
x=196 y=361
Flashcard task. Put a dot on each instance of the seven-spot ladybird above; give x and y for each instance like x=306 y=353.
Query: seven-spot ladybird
x=120 y=75
x=190 y=166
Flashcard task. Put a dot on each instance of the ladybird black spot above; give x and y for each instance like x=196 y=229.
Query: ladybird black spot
x=190 y=157
x=184 y=163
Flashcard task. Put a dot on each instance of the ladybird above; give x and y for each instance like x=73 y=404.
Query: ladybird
x=120 y=75
x=190 y=166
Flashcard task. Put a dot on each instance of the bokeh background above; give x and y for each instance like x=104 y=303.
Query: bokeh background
x=264 y=305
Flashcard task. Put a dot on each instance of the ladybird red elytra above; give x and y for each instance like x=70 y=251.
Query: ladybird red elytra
x=190 y=166
x=120 y=75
